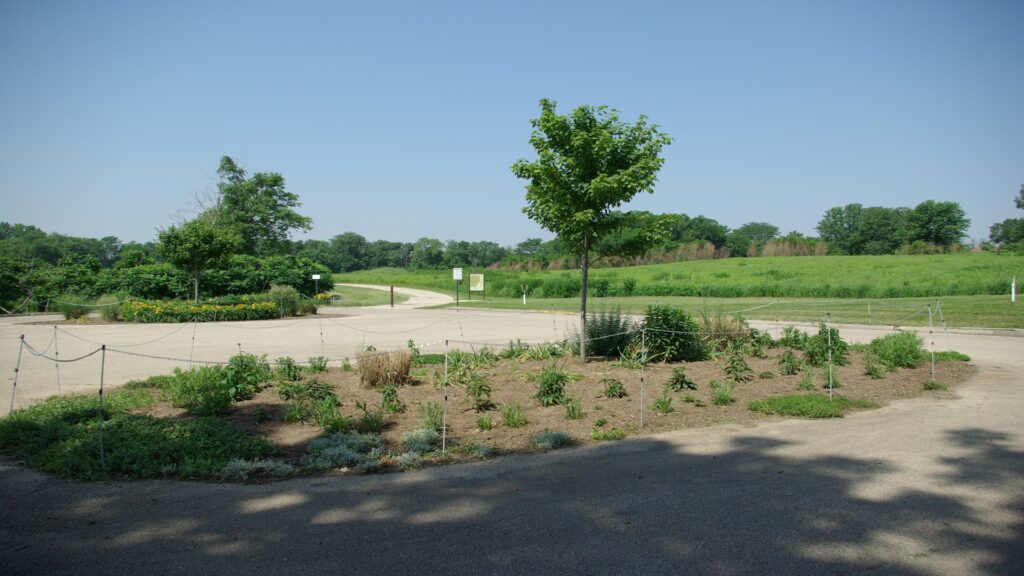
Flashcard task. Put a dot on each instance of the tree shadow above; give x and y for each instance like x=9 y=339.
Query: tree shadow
x=749 y=506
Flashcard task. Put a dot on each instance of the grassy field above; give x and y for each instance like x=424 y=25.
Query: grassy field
x=972 y=289
x=364 y=297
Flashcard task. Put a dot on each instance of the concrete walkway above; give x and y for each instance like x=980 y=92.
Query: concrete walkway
x=417 y=298
x=933 y=485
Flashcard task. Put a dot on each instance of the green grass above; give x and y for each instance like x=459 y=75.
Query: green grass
x=808 y=405
x=973 y=288
x=952 y=356
x=61 y=436
x=351 y=296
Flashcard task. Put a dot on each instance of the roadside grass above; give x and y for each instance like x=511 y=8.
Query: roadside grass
x=351 y=296
x=809 y=405
x=62 y=436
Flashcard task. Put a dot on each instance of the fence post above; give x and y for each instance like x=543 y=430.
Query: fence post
x=828 y=330
x=17 y=366
x=931 y=337
x=191 y=351
x=56 y=358
x=103 y=364
x=444 y=409
x=643 y=368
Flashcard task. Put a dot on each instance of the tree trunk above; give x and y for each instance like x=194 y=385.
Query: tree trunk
x=195 y=284
x=584 y=269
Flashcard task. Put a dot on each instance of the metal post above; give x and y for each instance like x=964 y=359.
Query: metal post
x=17 y=366
x=643 y=366
x=195 y=324
x=444 y=410
x=828 y=329
x=56 y=359
x=392 y=296
x=931 y=336
x=323 y=346
x=869 y=314
x=103 y=364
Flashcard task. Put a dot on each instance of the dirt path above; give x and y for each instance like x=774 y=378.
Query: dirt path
x=925 y=486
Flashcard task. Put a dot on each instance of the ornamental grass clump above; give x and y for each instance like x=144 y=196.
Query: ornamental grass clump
x=382 y=368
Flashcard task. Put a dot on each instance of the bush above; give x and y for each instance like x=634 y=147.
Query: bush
x=736 y=367
x=794 y=338
x=672 y=335
x=613 y=388
x=721 y=394
x=109 y=306
x=73 y=306
x=816 y=350
x=512 y=414
x=574 y=408
x=421 y=441
x=287 y=370
x=609 y=332
x=789 y=364
x=203 y=391
x=431 y=415
x=548 y=440
x=382 y=368
x=679 y=381
x=244 y=374
x=898 y=350
x=181 y=311
x=341 y=449
x=285 y=298
x=551 y=386
x=317 y=364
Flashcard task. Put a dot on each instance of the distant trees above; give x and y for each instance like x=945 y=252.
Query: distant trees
x=1010 y=232
x=854 y=229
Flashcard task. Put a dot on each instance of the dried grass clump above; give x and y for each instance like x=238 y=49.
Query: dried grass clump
x=383 y=368
x=718 y=331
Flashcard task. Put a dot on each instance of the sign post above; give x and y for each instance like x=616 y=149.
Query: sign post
x=316 y=282
x=457 y=277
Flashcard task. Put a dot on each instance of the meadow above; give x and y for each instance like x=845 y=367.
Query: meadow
x=973 y=287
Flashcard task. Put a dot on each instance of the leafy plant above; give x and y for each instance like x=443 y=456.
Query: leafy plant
x=721 y=394
x=286 y=369
x=898 y=350
x=600 y=422
x=609 y=332
x=203 y=391
x=431 y=415
x=370 y=421
x=245 y=373
x=605 y=435
x=633 y=357
x=574 y=408
x=789 y=364
x=679 y=381
x=932 y=385
x=421 y=441
x=672 y=335
x=690 y=399
x=346 y=365
x=390 y=402
x=478 y=390
x=484 y=423
x=951 y=355
x=873 y=370
x=806 y=382
x=793 y=338
x=548 y=440
x=736 y=367
x=817 y=349
x=829 y=377
x=317 y=364
x=663 y=405
x=512 y=414
x=551 y=386
x=613 y=388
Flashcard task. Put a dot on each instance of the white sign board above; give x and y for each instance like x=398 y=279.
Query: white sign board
x=316 y=276
x=476 y=282
x=456 y=273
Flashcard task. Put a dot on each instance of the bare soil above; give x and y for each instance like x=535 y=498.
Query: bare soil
x=263 y=415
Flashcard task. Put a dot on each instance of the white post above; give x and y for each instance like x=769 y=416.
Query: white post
x=643 y=369
x=444 y=413
x=1013 y=290
x=524 y=298
x=931 y=337
x=828 y=330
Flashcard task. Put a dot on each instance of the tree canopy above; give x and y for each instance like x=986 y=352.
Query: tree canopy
x=589 y=162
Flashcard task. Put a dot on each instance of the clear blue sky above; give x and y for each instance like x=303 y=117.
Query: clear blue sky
x=398 y=120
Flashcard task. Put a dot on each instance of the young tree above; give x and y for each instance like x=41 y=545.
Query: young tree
x=258 y=207
x=196 y=246
x=588 y=163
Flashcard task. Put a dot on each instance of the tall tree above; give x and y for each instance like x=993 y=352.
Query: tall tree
x=258 y=207
x=939 y=223
x=840 y=227
x=589 y=162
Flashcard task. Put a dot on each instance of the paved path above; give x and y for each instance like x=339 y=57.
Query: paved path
x=933 y=485
x=417 y=298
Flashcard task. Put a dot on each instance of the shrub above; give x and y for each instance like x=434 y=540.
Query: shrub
x=317 y=364
x=793 y=337
x=245 y=373
x=182 y=311
x=574 y=408
x=609 y=332
x=551 y=386
x=872 y=370
x=933 y=385
x=736 y=367
x=806 y=382
x=484 y=423
x=548 y=440
x=421 y=441
x=286 y=369
x=672 y=335
x=766 y=375
x=816 y=351
x=829 y=378
x=604 y=435
x=380 y=368
x=721 y=394
x=370 y=421
x=109 y=306
x=285 y=298
x=789 y=364
x=73 y=306
x=808 y=405
x=478 y=391
x=512 y=415
x=952 y=356
x=431 y=415
x=613 y=388
x=409 y=460
x=390 y=402
x=679 y=381
x=898 y=350
x=340 y=449
x=203 y=391
x=245 y=470
x=663 y=405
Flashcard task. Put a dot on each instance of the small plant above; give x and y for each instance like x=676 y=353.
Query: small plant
x=806 y=382
x=574 y=408
x=672 y=335
x=951 y=355
x=408 y=460
x=690 y=399
x=481 y=450
x=721 y=394
x=431 y=415
x=202 y=391
x=370 y=421
x=287 y=370
x=766 y=375
x=484 y=423
x=633 y=357
x=390 y=402
x=512 y=415
x=679 y=381
x=789 y=364
x=548 y=440
x=600 y=422
x=245 y=470
x=478 y=391
x=827 y=381
x=793 y=338
x=613 y=388
x=736 y=367
x=808 y=406
x=340 y=449
x=817 y=349
x=346 y=364
x=317 y=364
x=932 y=385
x=245 y=373
x=551 y=386
x=874 y=371
x=421 y=441
x=663 y=405
x=605 y=435
x=898 y=350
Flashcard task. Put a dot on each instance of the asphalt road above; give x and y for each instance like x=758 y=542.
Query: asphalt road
x=933 y=485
